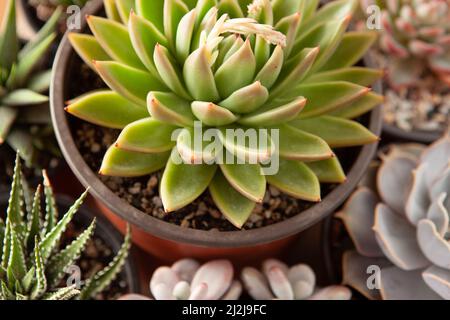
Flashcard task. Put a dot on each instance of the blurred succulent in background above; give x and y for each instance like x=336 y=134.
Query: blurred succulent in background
x=416 y=33
x=278 y=281
x=25 y=122
x=46 y=8
x=399 y=221
x=187 y=279
x=32 y=264
x=287 y=67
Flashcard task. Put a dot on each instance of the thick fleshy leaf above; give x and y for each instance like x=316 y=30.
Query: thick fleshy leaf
x=351 y=49
x=436 y=156
x=40 y=82
x=88 y=48
x=435 y=247
x=256 y=284
x=440 y=186
x=397 y=284
x=279 y=283
x=115 y=40
x=133 y=84
x=328 y=171
x=247 y=179
x=270 y=116
x=144 y=37
x=296 y=144
x=289 y=26
x=326 y=97
x=297 y=180
x=295 y=71
x=151 y=11
x=165 y=64
x=438 y=280
x=397 y=238
x=247 y=99
x=124 y=7
x=183 y=183
x=162 y=283
x=122 y=163
x=359 y=107
x=355 y=273
x=283 y=8
x=147 y=136
x=200 y=151
x=198 y=76
x=212 y=114
x=394 y=179
x=217 y=275
x=186 y=269
x=111 y=10
x=169 y=108
x=185 y=32
x=269 y=74
x=303 y=281
x=21 y=140
x=8 y=116
x=107 y=109
x=230 y=7
x=338 y=293
x=418 y=201
x=174 y=10
x=22 y=97
x=439 y=215
x=359 y=75
x=233 y=205
x=358 y=217
x=9 y=43
x=236 y=72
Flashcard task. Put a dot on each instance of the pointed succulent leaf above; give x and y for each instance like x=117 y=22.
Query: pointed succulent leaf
x=28 y=280
x=22 y=97
x=124 y=7
x=297 y=180
x=185 y=32
x=337 y=132
x=51 y=209
x=174 y=10
x=21 y=140
x=270 y=116
x=289 y=26
x=107 y=108
x=358 y=107
x=151 y=11
x=66 y=257
x=135 y=136
x=104 y=277
x=34 y=219
x=269 y=74
x=212 y=114
x=358 y=217
x=284 y=8
x=115 y=40
x=198 y=76
x=40 y=286
x=197 y=152
x=62 y=294
x=8 y=116
x=17 y=262
x=296 y=144
x=247 y=99
x=169 y=108
x=230 y=7
x=435 y=247
x=398 y=240
x=357 y=75
x=122 y=163
x=9 y=43
x=328 y=171
x=111 y=10
x=351 y=49
x=131 y=83
x=40 y=82
x=236 y=72
x=183 y=183
x=88 y=48
x=14 y=212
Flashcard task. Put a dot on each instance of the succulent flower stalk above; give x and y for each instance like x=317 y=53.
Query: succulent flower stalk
x=32 y=265
x=278 y=281
x=285 y=67
x=399 y=221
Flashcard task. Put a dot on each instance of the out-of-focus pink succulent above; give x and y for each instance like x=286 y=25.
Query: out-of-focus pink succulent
x=416 y=33
x=399 y=222
x=188 y=280
x=278 y=281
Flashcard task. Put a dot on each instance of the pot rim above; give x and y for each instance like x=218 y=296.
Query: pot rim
x=168 y=231
x=104 y=230
x=420 y=136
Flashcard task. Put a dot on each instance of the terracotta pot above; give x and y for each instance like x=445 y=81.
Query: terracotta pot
x=169 y=241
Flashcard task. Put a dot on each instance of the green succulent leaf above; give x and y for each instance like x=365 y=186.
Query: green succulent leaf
x=212 y=114
x=184 y=35
x=107 y=109
x=174 y=10
x=17 y=262
x=262 y=51
x=197 y=153
x=34 y=219
x=40 y=82
x=337 y=132
x=22 y=97
x=66 y=293
x=247 y=179
x=183 y=183
x=8 y=116
x=147 y=135
x=359 y=107
x=328 y=171
x=297 y=180
x=234 y=206
x=40 y=286
x=151 y=11
x=51 y=209
x=169 y=108
x=28 y=280
x=122 y=163
x=115 y=40
x=21 y=140
x=296 y=144
x=247 y=99
x=131 y=83
x=9 y=43
x=111 y=10
x=289 y=26
x=88 y=48
x=14 y=212
x=230 y=7
x=124 y=7
x=358 y=75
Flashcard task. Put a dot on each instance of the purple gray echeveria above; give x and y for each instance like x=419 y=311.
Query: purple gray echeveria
x=399 y=221
x=284 y=66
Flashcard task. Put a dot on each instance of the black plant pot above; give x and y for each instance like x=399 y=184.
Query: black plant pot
x=103 y=230
x=394 y=133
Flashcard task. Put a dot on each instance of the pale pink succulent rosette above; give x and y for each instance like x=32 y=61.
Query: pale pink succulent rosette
x=416 y=34
x=399 y=221
x=277 y=281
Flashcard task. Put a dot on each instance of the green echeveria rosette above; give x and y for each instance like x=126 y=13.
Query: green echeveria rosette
x=399 y=222
x=25 y=122
x=283 y=65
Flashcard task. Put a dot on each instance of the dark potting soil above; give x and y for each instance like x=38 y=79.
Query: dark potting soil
x=96 y=256
x=142 y=193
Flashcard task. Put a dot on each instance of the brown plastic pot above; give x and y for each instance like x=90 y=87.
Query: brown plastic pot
x=168 y=241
